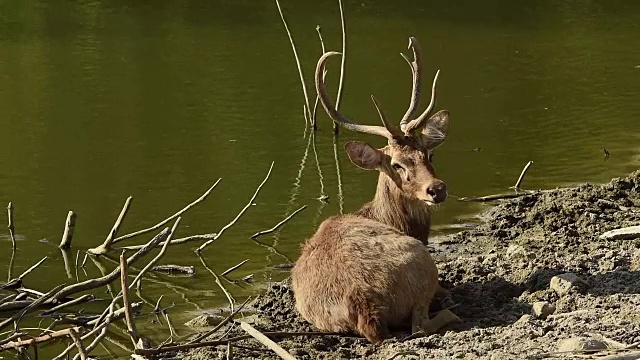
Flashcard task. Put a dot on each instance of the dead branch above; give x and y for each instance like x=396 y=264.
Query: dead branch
x=217 y=279
x=15 y=305
x=275 y=334
x=171 y=268
x=212 y=236
x=255 y=194
x=165 y=221
x=138 y=279
x=233 y=268
x=109 y=278
x=79 y=300
x=39 y=339
x=266 y=341
x=495 y=197
x=32 y=306
x=76 y=339
x=276 y=226
x=295 y=55
x=11 y=226
x=69 y=225
x=105 y=247
x=32 y=268
x=128 y=314
x=221 y=324
x=522 y=174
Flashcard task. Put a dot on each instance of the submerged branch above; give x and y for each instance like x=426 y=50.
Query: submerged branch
x=276 y=226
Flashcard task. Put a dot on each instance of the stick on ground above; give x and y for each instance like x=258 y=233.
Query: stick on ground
x=266 y=341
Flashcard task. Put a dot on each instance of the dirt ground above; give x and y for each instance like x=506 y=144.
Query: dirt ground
x=496 y=272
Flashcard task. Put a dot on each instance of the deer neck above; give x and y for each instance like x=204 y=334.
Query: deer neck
x=390 y=206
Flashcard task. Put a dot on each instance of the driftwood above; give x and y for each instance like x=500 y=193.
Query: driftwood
x=128 y=313
x=79 y=345
x=171 y=268
x=40 y=339
x=138 y=280
x=105 y=247
x=69 y=226
x=276 y=226
x=221 y=324
x=255 y=194
x=11 y=227
x=32 y=306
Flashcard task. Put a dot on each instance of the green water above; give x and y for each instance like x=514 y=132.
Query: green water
x=100 y=100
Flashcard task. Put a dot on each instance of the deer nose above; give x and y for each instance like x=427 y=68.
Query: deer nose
x=437 y=191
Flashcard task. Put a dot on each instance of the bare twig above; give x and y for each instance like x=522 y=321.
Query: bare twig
x=276 y=226
x=11 y=226
x=109 y=278
x=138 y=279
x=128 y=314
x=224 y=290
x=32 y=306
x=255 y=194
x=221 y=324
x=522 y=174
x=342 y=64
x=32 y=268
x=78 y=342
x=106 y=245
x=233 y=268
x=69 y=225
x=229 y=351
x=495 y=197
x=79 y=300
x=295 y=55
x=278 y=334
x=37 y=340
x=165 y=221
x=266 y=341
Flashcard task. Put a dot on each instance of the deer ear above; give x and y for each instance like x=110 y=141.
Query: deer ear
x=364 y=155
x=436 y=130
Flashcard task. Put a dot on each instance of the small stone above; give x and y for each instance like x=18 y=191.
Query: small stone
x=523 y=319
x=205 y=320
x=516 y=251
x=542 y=309
x=562 y=284
x=581 y=344
x=635 y=261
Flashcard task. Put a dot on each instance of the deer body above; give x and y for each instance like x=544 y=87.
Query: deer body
x=369 y=270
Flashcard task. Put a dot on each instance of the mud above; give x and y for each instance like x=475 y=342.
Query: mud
x=496 y=272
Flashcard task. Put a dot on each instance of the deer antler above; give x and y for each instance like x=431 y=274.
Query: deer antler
x=387 y=130
x=408 y=126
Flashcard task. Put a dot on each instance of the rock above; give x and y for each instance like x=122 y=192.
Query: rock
x=627 y=233
x=542 y=309
x=523 y=319
x=581 y=344
x=635 y=261
x=562 y=284
x=205 y=320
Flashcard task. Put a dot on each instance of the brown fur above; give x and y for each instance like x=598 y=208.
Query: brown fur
x=367 y=271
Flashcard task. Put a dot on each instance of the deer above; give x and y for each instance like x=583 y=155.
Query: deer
x=370 y=271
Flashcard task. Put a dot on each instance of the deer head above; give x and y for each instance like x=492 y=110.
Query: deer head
x=407 y=158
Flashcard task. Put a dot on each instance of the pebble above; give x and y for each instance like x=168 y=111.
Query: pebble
x=581 y=344
x=542 y=309
x=562 y=284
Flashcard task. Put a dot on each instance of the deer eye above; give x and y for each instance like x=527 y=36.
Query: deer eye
x=397 y=166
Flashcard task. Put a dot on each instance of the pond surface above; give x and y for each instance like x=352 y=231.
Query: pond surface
x=100 y=100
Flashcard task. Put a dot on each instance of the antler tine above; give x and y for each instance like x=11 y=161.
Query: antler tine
x=421 y=121
x=390 y=128
x=335 y=115
x=416 y=71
